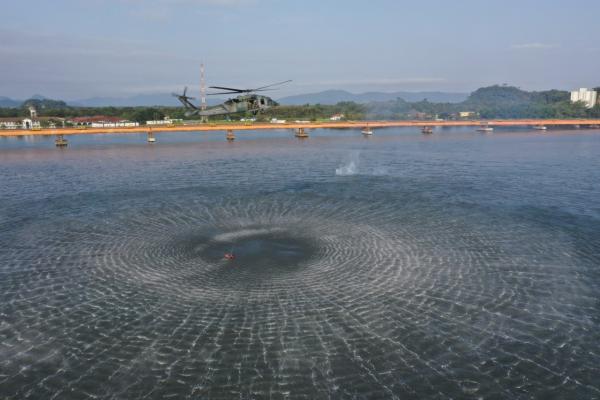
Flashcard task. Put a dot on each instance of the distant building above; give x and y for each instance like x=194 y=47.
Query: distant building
x=11 y=123
x=102 y=121
x=466 y=114
x=165 y=121
x=336 y=117
x=418 y=115
x=30 y=123
x=588 y=97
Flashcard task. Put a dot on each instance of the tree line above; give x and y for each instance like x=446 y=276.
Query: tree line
x=506 y=102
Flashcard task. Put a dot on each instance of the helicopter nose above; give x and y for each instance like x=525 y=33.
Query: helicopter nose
x=274 y=103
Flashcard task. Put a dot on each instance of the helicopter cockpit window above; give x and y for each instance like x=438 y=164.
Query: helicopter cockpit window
x=262 y=101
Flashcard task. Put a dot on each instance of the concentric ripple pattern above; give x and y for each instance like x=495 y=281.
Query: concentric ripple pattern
x=324 y=299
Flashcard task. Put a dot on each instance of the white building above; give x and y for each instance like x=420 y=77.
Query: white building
x=10 y=123
x=589 y=97
x=19 y=123
x=122 y=124
x=29 y=123
x=102 y=121
x=165 y=121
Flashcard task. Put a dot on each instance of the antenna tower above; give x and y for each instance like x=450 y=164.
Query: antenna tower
x=202 y=89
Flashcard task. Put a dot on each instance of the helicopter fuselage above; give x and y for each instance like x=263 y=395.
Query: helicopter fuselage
x=246 y=101
x=240 y=104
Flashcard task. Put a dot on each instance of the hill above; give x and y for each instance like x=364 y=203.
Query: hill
x=9 y=103
x=41 y=103
x=511 y=96
x=142 y=100
x=489 y=102
x=37 y=100
x=326 y=97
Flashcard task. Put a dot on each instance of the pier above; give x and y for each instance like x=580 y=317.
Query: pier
x=231 y=127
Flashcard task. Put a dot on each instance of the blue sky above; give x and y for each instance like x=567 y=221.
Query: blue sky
x=72 y=49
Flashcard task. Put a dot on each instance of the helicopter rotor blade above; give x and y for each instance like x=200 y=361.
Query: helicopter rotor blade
x=239 y=92
x=227 y=88
x=259 y=89
x=273 y=84
x=184 y=95
x=212 y=94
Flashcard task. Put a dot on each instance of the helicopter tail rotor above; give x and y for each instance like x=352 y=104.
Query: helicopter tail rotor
x=185 y=99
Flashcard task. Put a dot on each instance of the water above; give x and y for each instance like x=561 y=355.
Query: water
x=454 y=265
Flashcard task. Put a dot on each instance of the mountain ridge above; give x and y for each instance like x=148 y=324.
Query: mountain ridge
x=326 y=97
x=335 y=96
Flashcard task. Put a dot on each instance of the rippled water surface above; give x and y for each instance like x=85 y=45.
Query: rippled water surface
x=455 y=265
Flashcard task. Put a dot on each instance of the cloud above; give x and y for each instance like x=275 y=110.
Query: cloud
x=70 y=67
x=533 y=46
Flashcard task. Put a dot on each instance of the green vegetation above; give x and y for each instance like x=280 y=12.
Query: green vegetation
x=314 y=112
x=42 y=104
x=505 y=102
x=490 y=102
x=138 y=114
x=511 y=102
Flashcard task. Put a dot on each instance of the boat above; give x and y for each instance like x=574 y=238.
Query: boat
x=151 y=138
x=60 y=141
x=485 y=128
x=540 y=127
x=301 y=133
x=427 y=130
x=367 y=131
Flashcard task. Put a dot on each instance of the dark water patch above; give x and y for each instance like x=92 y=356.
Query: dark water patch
x=265 y=249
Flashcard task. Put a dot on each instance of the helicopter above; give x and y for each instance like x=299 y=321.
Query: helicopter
x=247 y=101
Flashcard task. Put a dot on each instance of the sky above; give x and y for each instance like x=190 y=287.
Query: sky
x=75 y=49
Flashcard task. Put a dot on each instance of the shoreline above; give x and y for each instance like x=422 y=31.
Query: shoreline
x=308 y=125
